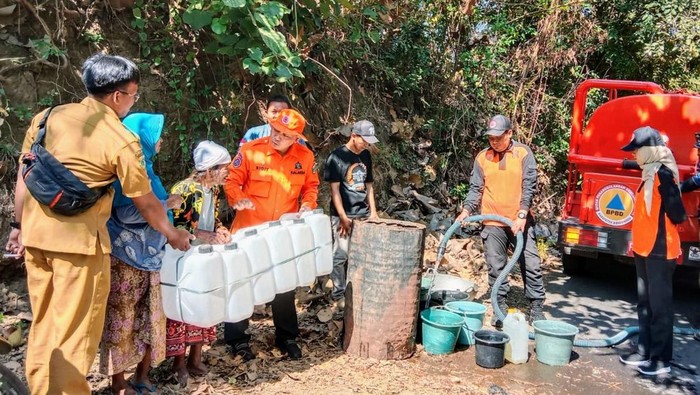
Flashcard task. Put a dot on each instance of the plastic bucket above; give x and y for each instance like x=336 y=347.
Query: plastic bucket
x=473 y=314
x=440 y=330
x=490 y=348
x=554 y=341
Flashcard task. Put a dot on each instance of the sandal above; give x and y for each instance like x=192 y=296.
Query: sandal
x=140 y=387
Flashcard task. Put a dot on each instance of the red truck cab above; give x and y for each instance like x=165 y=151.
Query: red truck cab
x=597 y=214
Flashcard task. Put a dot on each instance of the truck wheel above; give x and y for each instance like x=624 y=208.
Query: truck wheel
x=573 y=264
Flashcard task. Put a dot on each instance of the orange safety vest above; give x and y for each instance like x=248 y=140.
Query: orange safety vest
x=645 y=225
x=503 y=181
x=274 y=183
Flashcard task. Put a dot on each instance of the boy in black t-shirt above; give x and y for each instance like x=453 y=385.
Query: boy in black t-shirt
x=349 y=171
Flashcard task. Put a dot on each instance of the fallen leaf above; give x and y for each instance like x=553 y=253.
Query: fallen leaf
x=203 y=388
x=26 y=316
x=5 y=11
x=13 y=365
x=325 y=314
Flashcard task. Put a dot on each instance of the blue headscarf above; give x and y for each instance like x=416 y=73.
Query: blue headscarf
x=134 y=242
x=148 y=127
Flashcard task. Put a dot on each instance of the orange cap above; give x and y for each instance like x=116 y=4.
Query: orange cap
x=289 y=121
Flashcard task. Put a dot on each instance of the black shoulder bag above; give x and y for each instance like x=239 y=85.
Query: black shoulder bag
x=51 y=183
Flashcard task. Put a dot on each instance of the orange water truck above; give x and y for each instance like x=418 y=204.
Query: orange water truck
x=597 y=215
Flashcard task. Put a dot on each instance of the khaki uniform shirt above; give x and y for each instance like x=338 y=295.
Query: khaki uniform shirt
x=90 y=140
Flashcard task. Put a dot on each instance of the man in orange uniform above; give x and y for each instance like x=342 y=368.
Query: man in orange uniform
x=503 y=182
x=268 y=178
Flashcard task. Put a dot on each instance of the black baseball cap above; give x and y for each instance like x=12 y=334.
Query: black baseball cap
x=498 y=125
x=645 y=136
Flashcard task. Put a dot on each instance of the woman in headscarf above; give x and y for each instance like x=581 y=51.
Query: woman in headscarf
x=199 y=215
x=658 y=210
x=134 y=332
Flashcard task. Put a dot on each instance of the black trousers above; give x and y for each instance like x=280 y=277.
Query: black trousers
x=284 y=316
x=655 y=307
x=497 y=239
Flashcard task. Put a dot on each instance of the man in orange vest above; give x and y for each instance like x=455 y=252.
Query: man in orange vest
x=267 y=178
x=503 y=182
x=658 y=209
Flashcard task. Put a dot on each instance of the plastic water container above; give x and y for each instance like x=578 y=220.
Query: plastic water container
x=263 y=280
x=194 y=287
x=239 y=292
x=240 y=233
x=279 y=241
x=515 y=326
x=323 y=240
x=171 y=256
x=303 y=243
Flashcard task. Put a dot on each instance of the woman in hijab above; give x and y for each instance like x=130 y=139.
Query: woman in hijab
x=658 y=210
x=199 y=215
x=134 y=332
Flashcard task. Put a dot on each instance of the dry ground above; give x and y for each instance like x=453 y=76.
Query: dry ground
x=325 y=367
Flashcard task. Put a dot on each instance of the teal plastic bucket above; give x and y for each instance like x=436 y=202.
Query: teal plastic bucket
x=554 y=341
x=440 y=330
x=473 y=314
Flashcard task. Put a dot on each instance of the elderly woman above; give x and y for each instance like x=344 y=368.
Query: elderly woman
x=199 y=215
x=658 y=210
x=134 y=332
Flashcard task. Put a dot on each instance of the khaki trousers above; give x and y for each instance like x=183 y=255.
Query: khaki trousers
x=68 y=294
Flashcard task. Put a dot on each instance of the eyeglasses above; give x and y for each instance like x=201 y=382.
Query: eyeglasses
x=136 y=95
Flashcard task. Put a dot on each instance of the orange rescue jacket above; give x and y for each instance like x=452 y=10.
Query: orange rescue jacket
x=645 y=225
x=275 y=183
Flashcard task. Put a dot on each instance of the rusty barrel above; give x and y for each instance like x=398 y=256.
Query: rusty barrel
x=383 y=292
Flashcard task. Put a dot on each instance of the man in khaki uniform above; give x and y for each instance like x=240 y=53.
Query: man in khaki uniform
x=67 y=257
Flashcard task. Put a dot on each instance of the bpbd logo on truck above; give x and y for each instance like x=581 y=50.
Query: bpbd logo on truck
x=614 y=204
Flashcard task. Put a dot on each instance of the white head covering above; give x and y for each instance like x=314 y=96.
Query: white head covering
x=651 y=159
x=208 y=154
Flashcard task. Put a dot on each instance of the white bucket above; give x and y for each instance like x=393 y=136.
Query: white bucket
x=194 y=287
x=263 y=280
x=239 y=292
x=323 y=240
x=279 y=242
x=303 y=242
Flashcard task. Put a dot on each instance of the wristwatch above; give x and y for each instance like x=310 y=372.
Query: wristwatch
x=15 y=225
x=522 y=215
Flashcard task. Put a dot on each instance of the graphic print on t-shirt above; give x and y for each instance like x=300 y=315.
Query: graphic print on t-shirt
x=355 y=177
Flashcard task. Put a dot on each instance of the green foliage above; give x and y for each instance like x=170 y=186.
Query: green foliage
x=442 y=61
x=49 y=99
x=543 y=246
x=46 y=48
x=93 y=37
x=21 y=112
x=250 y=30
x=651 y=40
x=204 y=99
x=460 y=191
